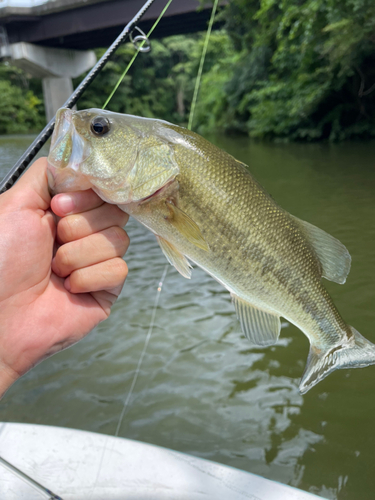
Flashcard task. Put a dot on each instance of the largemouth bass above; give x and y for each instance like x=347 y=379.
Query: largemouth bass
x=205 y=207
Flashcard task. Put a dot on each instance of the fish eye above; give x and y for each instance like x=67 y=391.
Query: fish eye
x=100 y=126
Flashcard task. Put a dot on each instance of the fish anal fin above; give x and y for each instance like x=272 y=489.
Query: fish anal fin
x=354 y=352
x=261 y=328
x=186 y=226
x=333 y=255
x=175 y=258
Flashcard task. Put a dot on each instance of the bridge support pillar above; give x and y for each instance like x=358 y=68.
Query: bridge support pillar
x=56 y=67
x=56 y=91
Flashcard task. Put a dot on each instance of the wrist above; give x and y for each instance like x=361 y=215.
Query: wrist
x=7 y=378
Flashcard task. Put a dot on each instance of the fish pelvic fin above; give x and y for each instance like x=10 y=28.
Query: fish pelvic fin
x=354 y=352
x=175 y=258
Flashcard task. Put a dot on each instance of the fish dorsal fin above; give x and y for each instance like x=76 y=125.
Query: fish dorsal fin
x=175 y=258
x=333 y=255
x=186 y=226
x=260 y=327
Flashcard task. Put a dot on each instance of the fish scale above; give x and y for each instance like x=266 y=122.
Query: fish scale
x=203 y=205
x=274 y=241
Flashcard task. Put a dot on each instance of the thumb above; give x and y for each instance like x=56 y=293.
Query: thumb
x=31 y=191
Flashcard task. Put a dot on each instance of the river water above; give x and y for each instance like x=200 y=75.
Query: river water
x=202 y=389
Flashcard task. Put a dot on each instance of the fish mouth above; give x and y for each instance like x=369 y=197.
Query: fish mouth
x=67 y=152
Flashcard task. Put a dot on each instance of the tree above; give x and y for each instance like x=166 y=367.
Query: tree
x=21 y=110
x=306 y=69
x=160 y=84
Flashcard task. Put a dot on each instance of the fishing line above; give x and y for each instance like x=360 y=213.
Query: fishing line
x=158 y=292
x=139 y=49
x=147 y=340
x=144 y=38
x=200 y=70
x=135 y=377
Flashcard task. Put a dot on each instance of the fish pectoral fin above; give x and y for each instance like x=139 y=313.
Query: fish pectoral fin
x=175 y=258
x=186 y=226
x=333 y=255
x=261 y=328
x=354 y=352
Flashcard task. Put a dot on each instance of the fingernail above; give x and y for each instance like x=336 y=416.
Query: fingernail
x=67 y=284
x=66 y=203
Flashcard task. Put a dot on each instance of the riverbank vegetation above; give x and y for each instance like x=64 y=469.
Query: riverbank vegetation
x=276 y=70
x=21 y=102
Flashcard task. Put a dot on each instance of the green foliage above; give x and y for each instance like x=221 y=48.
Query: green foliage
x=156 y=85
x=281 y=69
x=306 y=70
x=160 y=84
x=21 y=110
x=213 y=111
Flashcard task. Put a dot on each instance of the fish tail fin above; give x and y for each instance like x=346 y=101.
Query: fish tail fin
x=354 y=352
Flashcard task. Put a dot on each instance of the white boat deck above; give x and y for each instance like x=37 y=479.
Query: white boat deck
x=83 y=465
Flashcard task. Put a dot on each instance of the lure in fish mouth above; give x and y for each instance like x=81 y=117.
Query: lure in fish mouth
x=205 y=207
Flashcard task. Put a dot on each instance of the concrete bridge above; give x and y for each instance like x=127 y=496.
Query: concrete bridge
x=86 y=24
x=51 y=39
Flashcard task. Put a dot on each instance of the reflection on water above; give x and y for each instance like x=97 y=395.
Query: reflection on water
x=202 y=389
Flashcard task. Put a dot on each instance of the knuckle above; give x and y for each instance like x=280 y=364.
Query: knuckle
x=122 y=216
x=63 y=258
x=119 y=268
x=119 y=237
x=65 y=229
x=76 y=281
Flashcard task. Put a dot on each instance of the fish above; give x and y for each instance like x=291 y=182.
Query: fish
x=205 y=208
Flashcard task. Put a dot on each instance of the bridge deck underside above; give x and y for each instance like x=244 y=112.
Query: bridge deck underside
x=99 y=24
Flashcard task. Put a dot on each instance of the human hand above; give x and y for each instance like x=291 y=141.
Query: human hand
x=58 y=280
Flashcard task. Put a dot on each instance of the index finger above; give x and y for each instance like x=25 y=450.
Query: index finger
x=77 y=202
